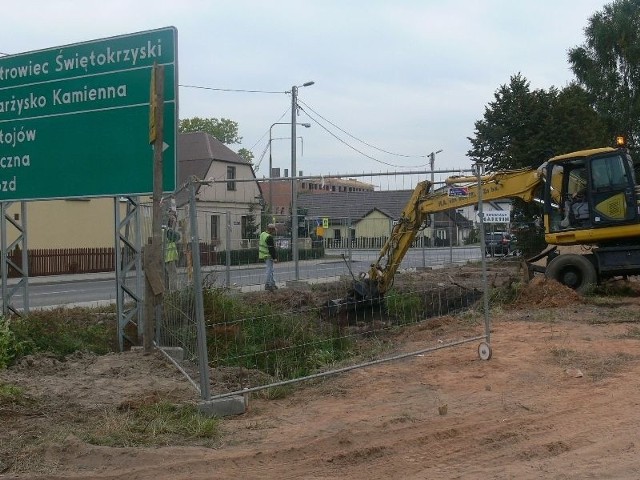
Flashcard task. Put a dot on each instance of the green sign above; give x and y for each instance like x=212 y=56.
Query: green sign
x=74 y=120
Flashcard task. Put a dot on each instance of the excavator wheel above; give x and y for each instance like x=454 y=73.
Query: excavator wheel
x=574 y=271
x=484 y=351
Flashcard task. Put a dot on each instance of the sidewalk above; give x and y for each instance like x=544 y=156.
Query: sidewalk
x=78 y=277
x=82 y=277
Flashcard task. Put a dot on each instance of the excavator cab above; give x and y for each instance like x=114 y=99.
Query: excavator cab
x=588 y=191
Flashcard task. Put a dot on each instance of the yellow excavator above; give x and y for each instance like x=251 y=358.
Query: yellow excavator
x=589 y=197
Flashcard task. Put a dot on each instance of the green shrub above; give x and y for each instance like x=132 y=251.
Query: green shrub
x=10 y=346
x=62 y=332
x=405 y=307
x=282 y=344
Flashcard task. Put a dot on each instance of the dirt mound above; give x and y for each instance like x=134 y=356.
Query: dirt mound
x=542 y=292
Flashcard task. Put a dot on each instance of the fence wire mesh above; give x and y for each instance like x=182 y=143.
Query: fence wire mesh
x=255 y=339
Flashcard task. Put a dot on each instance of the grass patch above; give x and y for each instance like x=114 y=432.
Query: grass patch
x=407 y=308
x=632 y=332
x=282 y=344
x=275 y=393
x=61 y=332
x=10 y=346
x=614 y=288
x=11 y=394
x=156 y=424
x=506 y=295
x=617 y=315
x=594 y=366
x=149 y=425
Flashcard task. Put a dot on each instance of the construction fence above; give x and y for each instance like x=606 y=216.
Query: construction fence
x=235 y=338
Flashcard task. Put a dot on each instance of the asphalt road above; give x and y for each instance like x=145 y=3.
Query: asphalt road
x=97 y=289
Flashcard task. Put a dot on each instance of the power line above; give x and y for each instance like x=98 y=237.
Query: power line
x=354 y=148
x=320 y=125
x=262 y=155
x=229 y=89
x=267 y=132
x=359 y=140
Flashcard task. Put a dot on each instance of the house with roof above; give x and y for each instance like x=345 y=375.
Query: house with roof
x=366 y=218
x=230 y=197
x=277 y=190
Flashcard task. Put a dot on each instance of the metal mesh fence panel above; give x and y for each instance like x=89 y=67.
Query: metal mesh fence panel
x=293 y=334
x=317 y=322
x=179 y=321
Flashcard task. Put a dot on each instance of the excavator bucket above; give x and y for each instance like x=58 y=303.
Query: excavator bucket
x=362 y=294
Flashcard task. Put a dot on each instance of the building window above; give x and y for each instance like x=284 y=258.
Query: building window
x=215 y=229
x=243 y=227
x=231 y=175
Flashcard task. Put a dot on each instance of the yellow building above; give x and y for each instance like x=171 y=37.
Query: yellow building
x=90 y=222
x=86 y=223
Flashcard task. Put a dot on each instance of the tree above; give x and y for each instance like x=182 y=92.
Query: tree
x=512 y=132
x=608 y=66
x=575 y=125
x=523 y=128
x=252 y=229
x=224 y=129
x=246 y=154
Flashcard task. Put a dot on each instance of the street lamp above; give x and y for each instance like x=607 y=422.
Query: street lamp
x=300 y=137
x=306 y=125
x=294 y=183
x=432 y=161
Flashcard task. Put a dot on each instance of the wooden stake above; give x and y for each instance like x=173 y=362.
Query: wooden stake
x=153 y=266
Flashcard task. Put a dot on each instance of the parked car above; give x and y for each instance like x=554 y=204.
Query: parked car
x=498 y=243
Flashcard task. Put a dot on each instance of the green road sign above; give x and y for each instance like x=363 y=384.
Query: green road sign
x=74 y=120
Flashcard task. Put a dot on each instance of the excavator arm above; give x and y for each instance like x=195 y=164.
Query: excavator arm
x=507 y=184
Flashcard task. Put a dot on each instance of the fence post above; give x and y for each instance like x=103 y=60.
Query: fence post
x=227 y=273
x=203 y=356
x=349 y=239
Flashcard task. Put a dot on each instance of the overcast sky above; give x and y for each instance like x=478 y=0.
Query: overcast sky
x=407 y=76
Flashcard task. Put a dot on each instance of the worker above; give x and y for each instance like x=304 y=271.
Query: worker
x=171 y=260
x=267 y=252
x=576 y=208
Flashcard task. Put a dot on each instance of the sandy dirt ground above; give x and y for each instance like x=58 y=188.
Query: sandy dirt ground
x=559 y=399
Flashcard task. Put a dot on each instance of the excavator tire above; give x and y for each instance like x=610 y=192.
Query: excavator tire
x=574 y=271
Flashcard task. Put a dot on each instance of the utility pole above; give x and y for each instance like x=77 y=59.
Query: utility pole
x=432 y=163
x=294 y=182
